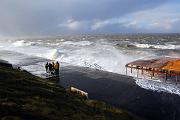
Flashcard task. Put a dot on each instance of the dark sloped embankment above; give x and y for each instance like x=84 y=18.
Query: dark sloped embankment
x=26 y=97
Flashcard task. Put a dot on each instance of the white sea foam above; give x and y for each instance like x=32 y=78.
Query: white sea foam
x=159 y=86
x=21 y=43
x=31 y=50
x=36 y=69
x=80 y=43
x=62 y=40
x=167 y=46
x=106 y=57
x=101 y=55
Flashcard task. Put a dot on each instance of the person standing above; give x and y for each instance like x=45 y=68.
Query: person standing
x=47 y=67
x=56 y=67
x=53 y=66
x=50 y=68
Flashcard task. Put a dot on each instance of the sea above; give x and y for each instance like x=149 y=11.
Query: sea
x=101 y=52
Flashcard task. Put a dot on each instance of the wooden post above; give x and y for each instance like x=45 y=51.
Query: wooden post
x=126 y=70
x=170 y=73
x=142 y=71
x=151 y=76
x=137 y=72
x=176 y=79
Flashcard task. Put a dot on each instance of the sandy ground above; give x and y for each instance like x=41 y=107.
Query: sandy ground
x=122 y=91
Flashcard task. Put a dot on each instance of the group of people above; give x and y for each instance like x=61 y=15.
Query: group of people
x=52 y=68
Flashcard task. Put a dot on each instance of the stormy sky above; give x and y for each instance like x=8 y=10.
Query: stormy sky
x=57 y=17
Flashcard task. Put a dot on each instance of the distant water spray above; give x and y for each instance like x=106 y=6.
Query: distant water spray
x=98 y=54
x=102 y=54
x=103 y=57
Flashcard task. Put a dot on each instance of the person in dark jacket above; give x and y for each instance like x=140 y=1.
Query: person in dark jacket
x=47 y=67
x=50 y=68
x=53 y=66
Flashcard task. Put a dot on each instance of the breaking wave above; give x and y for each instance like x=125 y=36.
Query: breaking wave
x=102 y=54
x=167 y=46
x=23 y=43
x=80 y=43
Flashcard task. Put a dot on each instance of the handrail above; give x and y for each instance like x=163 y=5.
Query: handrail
x=95 y=66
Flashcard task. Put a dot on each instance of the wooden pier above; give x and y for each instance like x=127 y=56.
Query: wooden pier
x=163 y=66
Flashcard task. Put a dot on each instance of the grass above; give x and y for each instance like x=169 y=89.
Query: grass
x=27 y=97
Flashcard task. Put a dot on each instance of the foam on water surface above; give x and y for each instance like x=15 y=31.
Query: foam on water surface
x=80 y=43
x=166 y=46
x=158 y=85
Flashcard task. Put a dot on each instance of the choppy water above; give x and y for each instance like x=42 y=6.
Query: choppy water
x=105 y=52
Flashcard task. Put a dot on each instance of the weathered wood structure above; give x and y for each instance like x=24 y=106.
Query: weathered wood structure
x=163 y=66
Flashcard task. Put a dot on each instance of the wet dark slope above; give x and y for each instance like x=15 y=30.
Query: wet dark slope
x=121 y=91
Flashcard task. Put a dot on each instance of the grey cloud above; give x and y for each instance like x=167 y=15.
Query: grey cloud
x=41 y=17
